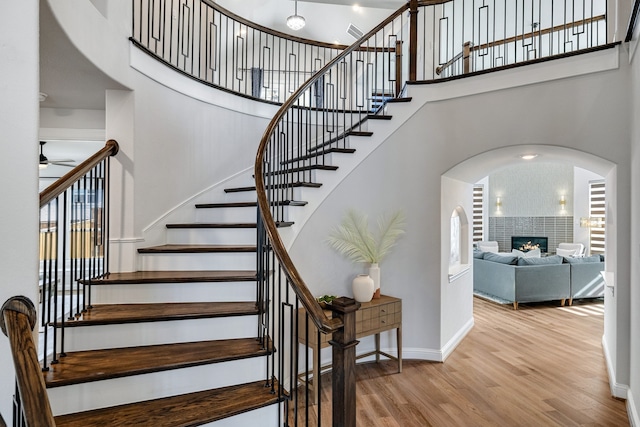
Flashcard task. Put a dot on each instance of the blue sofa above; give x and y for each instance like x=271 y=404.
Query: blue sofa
x=500 y=276
x=586 y=280
x=515 y=279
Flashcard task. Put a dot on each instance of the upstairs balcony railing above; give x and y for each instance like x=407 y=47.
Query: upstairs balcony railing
x=447 y=38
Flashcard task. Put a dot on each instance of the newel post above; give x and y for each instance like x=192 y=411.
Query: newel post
x=413 y=40
x=344 y=363
x=466 y=57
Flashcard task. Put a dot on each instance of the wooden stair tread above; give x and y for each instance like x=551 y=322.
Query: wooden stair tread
x=397 y=100
x=379 y=117
x=186 y=276
x=110 y=314
x=341 y=137
x=276 y=186
x=96 y=365
x=318 y=153
x=304 y=169
x=179 y=411
x=224 y=225
x=185 y=410
x=193 y=249
x=247 y=204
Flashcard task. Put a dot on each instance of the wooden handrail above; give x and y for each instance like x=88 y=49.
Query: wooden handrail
x=315 y=312
x=54 y=190
x=17 y=322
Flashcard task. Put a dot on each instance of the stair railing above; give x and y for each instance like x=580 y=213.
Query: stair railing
x=314 y=122
x=31 y=405
x=74 y=247
x=204 y=41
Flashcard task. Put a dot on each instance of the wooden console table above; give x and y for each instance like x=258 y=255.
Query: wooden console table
x=378 y=315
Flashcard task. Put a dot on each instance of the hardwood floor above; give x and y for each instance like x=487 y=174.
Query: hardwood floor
x=541 y=365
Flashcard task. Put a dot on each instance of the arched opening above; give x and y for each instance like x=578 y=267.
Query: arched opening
x=471 y=171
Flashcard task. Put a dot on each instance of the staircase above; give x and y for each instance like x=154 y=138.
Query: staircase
x=181 y=336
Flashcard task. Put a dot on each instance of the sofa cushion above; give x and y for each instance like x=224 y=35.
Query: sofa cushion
x=502 y=259
x=584 y=260
x=554 y=259
x=478 y=254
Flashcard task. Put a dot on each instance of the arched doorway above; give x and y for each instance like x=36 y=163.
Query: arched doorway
x=470 y=171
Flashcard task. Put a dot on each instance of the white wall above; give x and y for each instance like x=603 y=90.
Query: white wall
x=531 y=189
x=18 y=165
x=578 y=112
x=633 y=402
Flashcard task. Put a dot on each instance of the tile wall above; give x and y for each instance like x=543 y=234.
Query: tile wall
x=557 y=229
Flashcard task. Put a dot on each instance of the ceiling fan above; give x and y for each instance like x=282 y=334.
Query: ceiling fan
x=44 y=161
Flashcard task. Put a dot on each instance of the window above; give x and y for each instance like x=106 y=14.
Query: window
x=597 y=195
x=478 y=213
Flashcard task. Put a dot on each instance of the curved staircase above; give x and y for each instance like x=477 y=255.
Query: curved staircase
x=181 y=336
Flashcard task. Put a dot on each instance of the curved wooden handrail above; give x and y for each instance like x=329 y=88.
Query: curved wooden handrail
x=17 y=322
x=315 y=312
x=633 y=21
x=54 y=190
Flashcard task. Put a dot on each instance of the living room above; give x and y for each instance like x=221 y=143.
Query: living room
x=558 y=220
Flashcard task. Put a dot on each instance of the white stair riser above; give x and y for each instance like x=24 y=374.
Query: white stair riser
x=240 y=196
x=244 y=214
x=118 y=391
x=173 y=292
x=263 y=417
x=198 y=261
x=152 y=333
x=212 y=236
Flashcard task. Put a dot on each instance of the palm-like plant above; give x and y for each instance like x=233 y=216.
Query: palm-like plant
x=354 y=239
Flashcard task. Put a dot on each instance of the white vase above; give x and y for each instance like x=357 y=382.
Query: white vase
x=362 y=287
x=374 y=273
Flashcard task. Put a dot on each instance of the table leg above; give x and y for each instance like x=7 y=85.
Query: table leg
x=377 y=348
x=399 y=343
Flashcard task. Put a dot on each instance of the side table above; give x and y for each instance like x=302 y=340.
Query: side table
x=378 y=315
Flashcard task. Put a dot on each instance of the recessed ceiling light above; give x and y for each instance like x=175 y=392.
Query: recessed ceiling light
x=528 y=156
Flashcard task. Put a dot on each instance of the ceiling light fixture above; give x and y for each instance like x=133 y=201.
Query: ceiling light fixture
x=528 y=156
x=295 y=21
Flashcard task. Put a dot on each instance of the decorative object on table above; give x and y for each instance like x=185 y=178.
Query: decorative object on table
x=354 y=239
x=363 y=288
x=325 y=300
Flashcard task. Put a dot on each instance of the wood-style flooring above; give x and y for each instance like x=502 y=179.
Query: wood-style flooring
x=541 y=365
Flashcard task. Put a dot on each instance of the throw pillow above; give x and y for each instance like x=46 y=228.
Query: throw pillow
x=554 y=259
x=478 y=254
x=565 y=252
x=517 y=253
x=487 y=248
x=534 y=253
x=503 y=259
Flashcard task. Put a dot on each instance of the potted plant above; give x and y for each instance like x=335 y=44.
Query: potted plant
x=356 y=241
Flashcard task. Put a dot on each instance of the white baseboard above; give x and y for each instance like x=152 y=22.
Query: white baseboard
x=617 y=390
x=457 y=339
x=632 y=410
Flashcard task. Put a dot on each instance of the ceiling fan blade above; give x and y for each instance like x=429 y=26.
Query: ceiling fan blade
x=62 y=163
